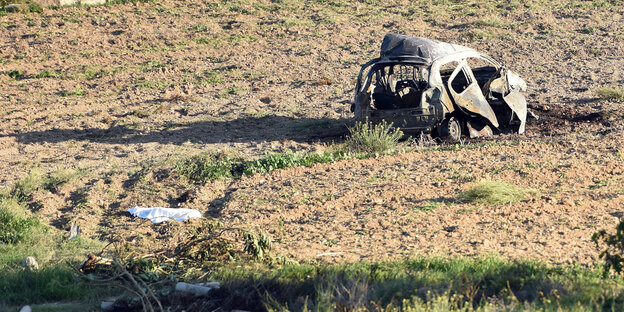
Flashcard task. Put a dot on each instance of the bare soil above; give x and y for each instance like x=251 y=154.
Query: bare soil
x=109 y=89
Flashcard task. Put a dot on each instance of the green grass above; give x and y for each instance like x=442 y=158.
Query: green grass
x=492 y=193
x=428 y=206
x=47 y=74
x=611 y=93
x=289 y=159
x=495 y=22
x=77 y=91
x=23 y=234
x=208 y=166
x=420 y=284
x=205 y=166
x=370 y=138
x=16 y=224
x=36 y=180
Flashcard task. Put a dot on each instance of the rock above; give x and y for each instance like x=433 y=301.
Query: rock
x=74 y=231
x=197 y=289
x=107 y=305
x=30 y=263
x=26 y=309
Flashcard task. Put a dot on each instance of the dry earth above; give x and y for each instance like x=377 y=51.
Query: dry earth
x=106 y=89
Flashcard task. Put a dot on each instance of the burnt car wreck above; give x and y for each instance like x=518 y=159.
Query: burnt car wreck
x=444 y=89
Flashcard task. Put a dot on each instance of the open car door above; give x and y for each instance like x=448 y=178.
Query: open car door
x=467 y=94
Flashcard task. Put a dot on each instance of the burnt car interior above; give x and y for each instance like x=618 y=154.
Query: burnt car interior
x=401 y=86
x=398 y=86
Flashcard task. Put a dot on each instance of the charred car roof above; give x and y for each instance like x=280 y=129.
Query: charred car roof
x=395 y=45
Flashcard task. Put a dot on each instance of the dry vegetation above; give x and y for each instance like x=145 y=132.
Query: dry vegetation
x=240 y=109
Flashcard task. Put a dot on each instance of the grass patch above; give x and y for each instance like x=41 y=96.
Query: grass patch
x=492 y=193
x=211 y=166
x=77 y=91
x=210 y=77
x=289 y=159
x=47 y=74
x=428 y=206
x=370 y=138
x=35 y=180
x=16 y=224
x=205 y=166
x=23 y=235
x=491 y=22
x=419 y=284
x=611 y=93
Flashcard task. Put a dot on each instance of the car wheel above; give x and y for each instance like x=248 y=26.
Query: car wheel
x=450 y=129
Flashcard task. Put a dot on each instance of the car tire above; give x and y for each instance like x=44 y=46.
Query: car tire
x=450 y=130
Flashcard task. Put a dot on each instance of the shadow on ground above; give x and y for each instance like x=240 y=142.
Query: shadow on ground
x=245 y=129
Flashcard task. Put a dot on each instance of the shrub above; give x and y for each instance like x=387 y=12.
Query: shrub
x=367 y=137
x=613 y=253
x=492 y=193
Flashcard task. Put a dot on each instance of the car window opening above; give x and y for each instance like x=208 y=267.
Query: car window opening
x=399 y=86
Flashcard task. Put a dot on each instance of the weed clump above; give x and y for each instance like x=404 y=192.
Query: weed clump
x=367 y=137
x=492 y=193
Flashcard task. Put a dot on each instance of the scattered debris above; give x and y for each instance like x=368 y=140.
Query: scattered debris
x=197 y=289
x=93 y=262
x=158 y=214
x=435 y=87
x=30 y=263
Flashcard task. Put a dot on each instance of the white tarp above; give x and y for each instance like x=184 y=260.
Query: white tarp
x=159 y=214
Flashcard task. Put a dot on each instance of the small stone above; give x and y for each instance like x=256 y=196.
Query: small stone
x=107 y=305
x=30 y=263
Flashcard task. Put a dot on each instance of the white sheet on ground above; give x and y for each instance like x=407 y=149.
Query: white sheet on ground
x=159 y=214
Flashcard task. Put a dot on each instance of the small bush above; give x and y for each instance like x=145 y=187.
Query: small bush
x=15 y=74
x=613 y=252
x=611 y=93
x=367 y=137
x=493 y=193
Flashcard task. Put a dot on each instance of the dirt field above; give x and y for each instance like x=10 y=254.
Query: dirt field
x=109 y=89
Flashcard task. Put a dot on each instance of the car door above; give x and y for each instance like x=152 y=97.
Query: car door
x=467 y=94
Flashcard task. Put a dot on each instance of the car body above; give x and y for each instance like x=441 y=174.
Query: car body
x=430 y=86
